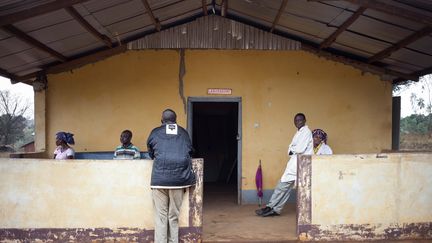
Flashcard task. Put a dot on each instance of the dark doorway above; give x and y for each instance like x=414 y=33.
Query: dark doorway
x=215 y=137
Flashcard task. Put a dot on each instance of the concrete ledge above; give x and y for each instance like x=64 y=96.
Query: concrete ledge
x=86 y=200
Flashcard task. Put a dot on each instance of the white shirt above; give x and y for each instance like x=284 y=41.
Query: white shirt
x=59 y=154
x=324 y=149
x=302 y=143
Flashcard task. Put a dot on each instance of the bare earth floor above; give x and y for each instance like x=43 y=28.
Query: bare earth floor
x=225 y=221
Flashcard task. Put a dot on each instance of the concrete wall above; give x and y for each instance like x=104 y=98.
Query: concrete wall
x=365 y=196
x=85 y=200
x=129 y=91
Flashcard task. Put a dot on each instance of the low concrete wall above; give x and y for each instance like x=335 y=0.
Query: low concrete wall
x=365 y=197
x=86 y=200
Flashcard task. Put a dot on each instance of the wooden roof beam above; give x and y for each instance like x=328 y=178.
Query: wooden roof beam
x=33 y=42
x=76 y=63
x=281 y=9
x=155 y=21
x=419 y=74
x=224 y=8
x=103 y=38
x=424 y=72
x=8 y=75
x=327 y=42
x=38 y=10
x=204 y=7
x=401 y=44
x=365 y=67
x=393 y=10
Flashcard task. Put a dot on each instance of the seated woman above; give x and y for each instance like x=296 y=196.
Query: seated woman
x=63 y=150
x=320 y=142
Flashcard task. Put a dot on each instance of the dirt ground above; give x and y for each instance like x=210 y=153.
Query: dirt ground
x=416 y=142
x=225 y=221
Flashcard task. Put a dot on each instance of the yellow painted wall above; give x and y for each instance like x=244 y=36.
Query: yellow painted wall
x=129 y=91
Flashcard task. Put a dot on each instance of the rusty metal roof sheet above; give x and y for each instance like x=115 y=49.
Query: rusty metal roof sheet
x=49 y=30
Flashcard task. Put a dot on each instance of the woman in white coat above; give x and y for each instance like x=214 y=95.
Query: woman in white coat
x=320 y=142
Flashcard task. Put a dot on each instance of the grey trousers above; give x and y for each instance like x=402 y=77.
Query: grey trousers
x=166 y=203
x=280 y=196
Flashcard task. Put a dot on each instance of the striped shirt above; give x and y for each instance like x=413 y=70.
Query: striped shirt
x=129 y=152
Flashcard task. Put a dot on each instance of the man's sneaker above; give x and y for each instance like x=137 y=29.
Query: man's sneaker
x=270 y=213
x=261 y=211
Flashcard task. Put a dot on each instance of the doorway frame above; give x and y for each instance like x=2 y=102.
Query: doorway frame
x=238 y=100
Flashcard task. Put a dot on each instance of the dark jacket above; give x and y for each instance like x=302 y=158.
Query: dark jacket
x=171 y=153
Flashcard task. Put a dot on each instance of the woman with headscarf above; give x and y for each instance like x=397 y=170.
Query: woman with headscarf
x=63 y=150
x=320 y=142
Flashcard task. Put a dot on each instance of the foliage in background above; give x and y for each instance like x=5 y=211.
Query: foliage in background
x=416 y=129
x=15 y=128
x=416 y=124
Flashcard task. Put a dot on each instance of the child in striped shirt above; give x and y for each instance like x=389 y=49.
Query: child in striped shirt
x=126 y=150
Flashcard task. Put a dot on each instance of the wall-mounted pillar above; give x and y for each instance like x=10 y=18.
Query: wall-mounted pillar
x=39 y=87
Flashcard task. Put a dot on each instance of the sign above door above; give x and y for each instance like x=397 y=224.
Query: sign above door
x=219 y=91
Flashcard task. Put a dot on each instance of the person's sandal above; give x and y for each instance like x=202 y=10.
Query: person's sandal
x=270 y=214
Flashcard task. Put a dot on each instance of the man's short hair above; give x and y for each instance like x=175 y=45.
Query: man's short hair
x=301 y=114
x=127 y=131
x=169 y=115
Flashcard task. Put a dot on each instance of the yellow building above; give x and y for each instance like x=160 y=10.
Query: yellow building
x=236 y=81
x=130 y=90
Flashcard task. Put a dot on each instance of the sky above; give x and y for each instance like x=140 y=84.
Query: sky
x=19 y=89
x=26 y=91
x=417 y=89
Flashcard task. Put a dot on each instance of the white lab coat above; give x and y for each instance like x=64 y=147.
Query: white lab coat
x=302 y=143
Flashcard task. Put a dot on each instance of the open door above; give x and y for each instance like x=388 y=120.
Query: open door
x=215 y=129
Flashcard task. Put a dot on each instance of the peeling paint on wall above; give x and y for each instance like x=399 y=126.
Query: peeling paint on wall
x=365 y=197
x=109 y=200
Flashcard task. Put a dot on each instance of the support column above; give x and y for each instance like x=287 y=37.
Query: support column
x=396 y=115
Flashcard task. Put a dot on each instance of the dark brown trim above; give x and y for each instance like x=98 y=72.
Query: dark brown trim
x=38 y=10
x=204 y=7
x=393 y=10
x=420 y=73
x=327 y=42
x=281 y=9
x=8 y=75
x=186 y=234
x=348 y=232
x=103 y=38
x=33 y=42
x=423 y=72
x=155 y=21
x=401 y=44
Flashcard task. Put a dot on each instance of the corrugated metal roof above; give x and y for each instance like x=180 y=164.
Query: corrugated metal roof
x=214 y=32
x=122 y=21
